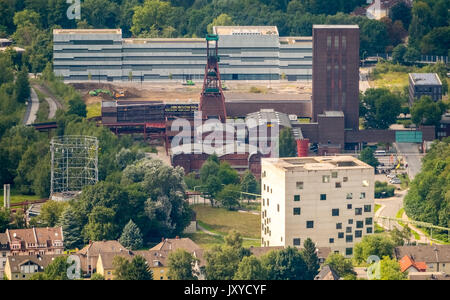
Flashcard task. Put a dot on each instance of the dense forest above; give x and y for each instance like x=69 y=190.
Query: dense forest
x=30 y=22
x=428 y=200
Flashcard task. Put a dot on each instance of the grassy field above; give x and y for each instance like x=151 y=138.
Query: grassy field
x=16 y=198
x=222 y=221
x=394 y=81
x=207 y=241
x=94 y=110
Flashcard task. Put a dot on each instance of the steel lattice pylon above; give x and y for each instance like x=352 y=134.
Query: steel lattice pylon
x=212 y=99
x=74 y=163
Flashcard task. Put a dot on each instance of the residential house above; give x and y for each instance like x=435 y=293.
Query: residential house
x=35 y=241
x=22 y=267
x=4 y=251
x=163 y=250
x=156 y=257
x=407 y=264
x=327 y=273
x=428 y=276
x=105 y=266
x=436 y=257
x=90 y=253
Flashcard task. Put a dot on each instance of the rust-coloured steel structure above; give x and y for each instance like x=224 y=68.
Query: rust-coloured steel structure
x=212 y=99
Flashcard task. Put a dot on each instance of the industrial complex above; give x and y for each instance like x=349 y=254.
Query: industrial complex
x=331 y=113
x=246 y=53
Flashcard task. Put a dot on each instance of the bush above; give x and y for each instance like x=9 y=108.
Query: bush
x=383 y=190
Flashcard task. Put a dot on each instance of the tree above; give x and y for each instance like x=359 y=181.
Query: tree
x=209 y=168
x=380 y=108
x=428 y=199
x=288 y=146
x=181 y=264
x=151 y=18
x=136 y=269
x=427 y=112
x=229 y=196
x=71 y=228
x=51 y=212
x=131 y=237
x=5 y=219
x=341 y=265
x=390 y=269
x=367 y=156
x=411 y=55
x=22 y=85
x=227 y=175
x=311 y=259
x=373 y=245
x=398 y=53
x=421 y=23
x=101 y=13
x=221 y=20
x=399 y=237
x=56 y=270
x=221 y=263
x=163 y=186
x=286 y=264
x=101 y=225
x=213 y=187
x=436 y=41
x=249 y=183
x=250 y=268
x=401 y=12
x=77 y=107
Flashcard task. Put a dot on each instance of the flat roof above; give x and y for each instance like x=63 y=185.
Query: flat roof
x=245 y=30
x=317 y=163
x=336 y=26
x=425 y=78
x=87 y=31
x=163 y=40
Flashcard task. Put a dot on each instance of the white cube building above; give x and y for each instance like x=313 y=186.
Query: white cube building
x=328 y=199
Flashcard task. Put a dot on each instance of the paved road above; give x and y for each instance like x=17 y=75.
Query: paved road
x=410 y=151
x=44 y=90
x=363 y=79
x=389 y=208
x=52 y=107
x=33 y=107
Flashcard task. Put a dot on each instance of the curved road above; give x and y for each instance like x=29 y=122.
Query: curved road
x=32 y=109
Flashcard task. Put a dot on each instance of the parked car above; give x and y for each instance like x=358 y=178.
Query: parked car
x=395 y=181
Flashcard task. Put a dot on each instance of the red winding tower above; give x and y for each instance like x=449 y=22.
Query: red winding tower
x=212 y=100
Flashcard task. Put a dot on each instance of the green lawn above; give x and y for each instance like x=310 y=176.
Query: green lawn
x=16 y=198
x=222 y=221
x=207 y=241
x=94 y=110
x=394 y=81
x=377 y=207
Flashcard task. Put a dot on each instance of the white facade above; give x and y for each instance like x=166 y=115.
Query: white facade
x=328 y=199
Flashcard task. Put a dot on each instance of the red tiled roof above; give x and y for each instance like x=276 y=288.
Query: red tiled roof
x=406 y=262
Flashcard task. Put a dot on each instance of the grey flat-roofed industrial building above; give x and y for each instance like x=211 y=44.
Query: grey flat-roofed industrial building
x=424 y=84
x=246 y=53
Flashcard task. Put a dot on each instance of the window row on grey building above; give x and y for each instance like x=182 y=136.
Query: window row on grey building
x=81 y=55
